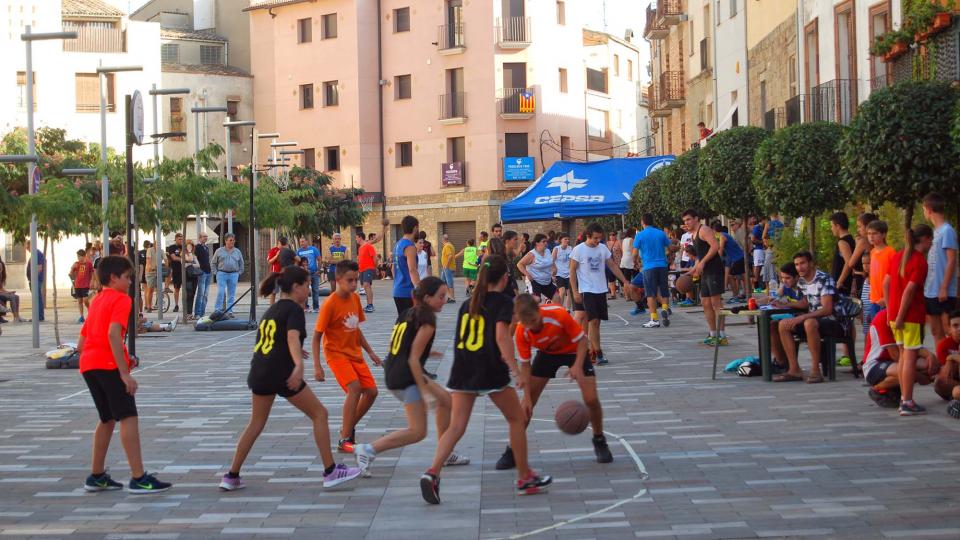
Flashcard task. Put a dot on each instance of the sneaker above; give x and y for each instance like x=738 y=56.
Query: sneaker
x=455 y=459
x=231 y=315
x=346 y=446
x=228 y=483
x=602 y=360
x=758 y=291
x=369 y=308
x=451 y=300
x=651 y=324
x=365 y=456
x=506 y=460
x=911 y=408
x=147 y=484
x=953 y=409
x=686 y=303
x=362 y=292
x=101 y=483
x=665 y=317
x=733 y=300
x=430 y=487
x=176 y=309
x=601 y=449
x=710 y=342
x=844 y=361
x=637 y=311
x=79 y=321
x=340 y=474
x=723 y=341
x=887 y=400
x=533 y=484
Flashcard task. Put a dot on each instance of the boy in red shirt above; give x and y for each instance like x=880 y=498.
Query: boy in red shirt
x=906 y=311
x=338 y=324
x=880 y=367
x=105 y=366
x=81 y=273
x=947 y=385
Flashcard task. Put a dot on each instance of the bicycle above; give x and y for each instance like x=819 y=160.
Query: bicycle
x=162 y=301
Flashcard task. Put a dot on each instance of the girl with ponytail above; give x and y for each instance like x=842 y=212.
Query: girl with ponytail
x=277 y=370
x=405 y=377
x=482 y=363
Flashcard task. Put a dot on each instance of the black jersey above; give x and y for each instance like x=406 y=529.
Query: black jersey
x=477 y=362
x=396 y=367
x=272 y=364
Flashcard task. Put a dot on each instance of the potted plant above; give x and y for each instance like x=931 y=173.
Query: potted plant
x=900 y=45
x=927 y=18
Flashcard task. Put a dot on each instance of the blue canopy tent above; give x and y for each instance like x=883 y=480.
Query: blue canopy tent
x=570 y=190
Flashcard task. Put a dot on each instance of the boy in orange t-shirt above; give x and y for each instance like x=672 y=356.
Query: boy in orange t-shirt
x=880 y=255
x=339 y=326
x=105 y=366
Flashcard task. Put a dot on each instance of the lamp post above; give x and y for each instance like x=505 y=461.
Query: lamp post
x=251 y=226
x=229 y=167
x=28 y=37
x=197 y=111
x=104 y=182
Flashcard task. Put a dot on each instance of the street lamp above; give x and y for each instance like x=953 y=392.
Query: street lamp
x=251 y=225
x=226 y=137
x=28 y=38
x=197 y=111
x=104 y=182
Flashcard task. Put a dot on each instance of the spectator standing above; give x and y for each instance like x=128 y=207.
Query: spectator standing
x=448 y=265
x=176 y=268
x=274 y=265
x=228 y=262
x=37 y=258
x=756 y=244
x=311 y=255
x=628 y=256
x=338 y=252
x=80 y=274
x=855 y=264
x=202 y=253
x=423 y=259
x=940 y=289
x=469 y=254
x=367 y=263
x=192 y=266
x=771 y=234
x=843 y=252
x=428 y=248
x=709 y=268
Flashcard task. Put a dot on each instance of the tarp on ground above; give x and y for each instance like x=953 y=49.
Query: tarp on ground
x=570 y=190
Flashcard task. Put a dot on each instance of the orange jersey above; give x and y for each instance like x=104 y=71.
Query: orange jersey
x=339 y=322
x=559 y=334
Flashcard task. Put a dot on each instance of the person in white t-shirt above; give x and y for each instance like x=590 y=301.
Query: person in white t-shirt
x=628 y=261
x=588 y=283
x=686 y=239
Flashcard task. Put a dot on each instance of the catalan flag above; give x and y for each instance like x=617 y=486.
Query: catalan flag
x=528 y=102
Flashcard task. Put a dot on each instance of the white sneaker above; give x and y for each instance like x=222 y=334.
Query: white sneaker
x=651 y=324
x=455 y=459
x=365 y=456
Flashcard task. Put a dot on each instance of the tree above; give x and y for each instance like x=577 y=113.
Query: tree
x=648 y=197
x=797 y=172
x=680 y=187
x=899 y=148
x=320 y=208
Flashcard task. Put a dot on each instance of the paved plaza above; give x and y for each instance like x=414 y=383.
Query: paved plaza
x=694 y=458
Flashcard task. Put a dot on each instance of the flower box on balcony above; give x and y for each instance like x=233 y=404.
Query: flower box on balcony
x=897 y=51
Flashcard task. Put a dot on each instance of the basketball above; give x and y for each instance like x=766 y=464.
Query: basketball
x=572 y=417
x=684 y=283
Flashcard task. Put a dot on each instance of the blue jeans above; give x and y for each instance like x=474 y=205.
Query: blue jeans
x=200 y=302
x=226 y=289
x=448 y=277
x=315 y=289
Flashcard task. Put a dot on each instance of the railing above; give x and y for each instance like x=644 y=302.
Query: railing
x=672 y=88
x=794 y=110
x=654 y=29
x=669 y=11
x=451 y=37
x=880 y=81
x=833 y=101
x=94 y=36
x=517 y=101
x=453 y=106
x=774 y=119
x=658 y=108
x=514 y=30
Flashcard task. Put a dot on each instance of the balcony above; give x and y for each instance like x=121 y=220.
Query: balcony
x=833 y=101
x=653 y=29
x=517 y=103
x=774 y=119
x=450 y=39
x=794 y=110
x=669 y=12
x=880 y=81
x=453 y=108
x=95 y=36
x=672 y=89
x=657 y=108
x=513 y=32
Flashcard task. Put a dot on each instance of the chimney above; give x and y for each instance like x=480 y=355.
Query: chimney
x=204 y=14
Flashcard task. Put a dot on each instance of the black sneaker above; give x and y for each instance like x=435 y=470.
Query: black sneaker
x=601 y=360
x=176 y=309
x=533 y=484
x=430 y=487
x=601 y=449
x=953 y=409
x=506 y=460
x=888 y=400
x=102 y=482
x=147 y=484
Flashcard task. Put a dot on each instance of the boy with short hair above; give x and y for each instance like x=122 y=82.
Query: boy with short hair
x=105 y=367
x=940 y=289
x=339 y=325
x=81 y=273
x=947 y=384
x=880 y=255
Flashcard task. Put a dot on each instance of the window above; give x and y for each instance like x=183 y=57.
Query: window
x=305 y=30
x=515 y=145
x=629 y=70
x=88 y=92
x=211 y=54
x=561 y=13
x=879 y=25
x=597 y=80
x=232 y=111
x=331 y=155
x=616 y=65
x=402 y=88
x=683 y=136
x=404 y=152
x=733 y=8
x=306 y=96
x=401 y=20
x=763 y=97
x=597 y=122
x=309 y=158
x=565 y=148
x=563 y=80
x=176 y=117
x=329 y=26
x=170 y=53
x=691 y=38
x=704 y=59
x=619 y=118
x=331 y=96
x=22 y=90
x=812 y=48
x=456 y=149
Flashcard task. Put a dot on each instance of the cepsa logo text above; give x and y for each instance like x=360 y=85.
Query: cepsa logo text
x=554 y=199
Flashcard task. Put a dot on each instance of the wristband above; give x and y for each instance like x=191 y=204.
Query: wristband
x=525 y=361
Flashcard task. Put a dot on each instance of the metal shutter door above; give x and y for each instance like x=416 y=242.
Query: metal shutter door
x=459 y=232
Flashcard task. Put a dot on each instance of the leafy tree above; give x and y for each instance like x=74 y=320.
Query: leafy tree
x=797 y=172
x=322 y=209
x=648 y=197
x=680 y=187
x=899 y=147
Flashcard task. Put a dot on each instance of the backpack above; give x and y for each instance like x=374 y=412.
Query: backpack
x=846 y=307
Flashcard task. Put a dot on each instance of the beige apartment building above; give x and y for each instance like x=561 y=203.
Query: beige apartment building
x=667 y=28
x=458 y=86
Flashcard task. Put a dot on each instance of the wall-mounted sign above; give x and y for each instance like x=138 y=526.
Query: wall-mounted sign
x=519 y=169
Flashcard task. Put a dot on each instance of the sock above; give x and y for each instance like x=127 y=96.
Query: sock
x=232 y=474
x=99 y=475
x=664 y=306
x=722 y=334
x=654 y=316
x=329 y=469
x=369 y=447
x=713 y=334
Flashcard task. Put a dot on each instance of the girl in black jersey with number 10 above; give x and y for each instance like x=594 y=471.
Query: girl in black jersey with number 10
x=277 y=369
x=482 y=363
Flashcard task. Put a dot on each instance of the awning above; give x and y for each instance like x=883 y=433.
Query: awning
x=578 y=190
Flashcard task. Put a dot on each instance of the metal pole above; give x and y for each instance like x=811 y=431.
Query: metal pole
x=156 y=231
x=253 y=229
x=226 y=140
x=31 y=167
x=104 y=181
x=196 y=153
x=131 y=223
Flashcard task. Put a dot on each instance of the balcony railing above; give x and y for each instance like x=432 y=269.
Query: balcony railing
x=94 y=36
x=794 y=110
x=669 y=12
x=453 y=106
x=653 y=28
x=451 y=37
x=517 y=102
x=672 y=89
x=832 y=101
x=514 y=32
x=774 y=119
x=880 y=81
x=657 y=108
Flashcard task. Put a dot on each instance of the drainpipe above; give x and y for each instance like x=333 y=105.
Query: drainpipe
x=716 y=87
x=380 y=84
x=746 y=62
x=801 y=57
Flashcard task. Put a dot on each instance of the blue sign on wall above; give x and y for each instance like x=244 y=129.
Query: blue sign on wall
x=518 y=169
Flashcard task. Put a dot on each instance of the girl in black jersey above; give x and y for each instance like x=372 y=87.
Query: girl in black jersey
x=404 y=375
x=482 y=363
x=277 y=369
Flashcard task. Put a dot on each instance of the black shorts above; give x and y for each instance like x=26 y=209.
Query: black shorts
x=546 y=290
x=110 y=395
x=546 y=365
x=935 y=307
x=176 y=277
x=878 y=372
x=594 y=304
x=271 y=388
x=827 y=327
x=628 y=273
x=80 y=293
x=711 y=284
x=402 y=304
x=562 y=282
x=610 y=277
x=737 y=269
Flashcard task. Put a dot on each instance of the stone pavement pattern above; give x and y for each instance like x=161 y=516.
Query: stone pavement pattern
x=732 y=458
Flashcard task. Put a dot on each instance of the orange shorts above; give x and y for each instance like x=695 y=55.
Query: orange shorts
x=348 y=371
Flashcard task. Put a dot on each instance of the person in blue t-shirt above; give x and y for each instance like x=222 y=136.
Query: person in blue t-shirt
x=771 y=234
x=338 y=252
x=652 y=244
x=405 y=273
x=733 y=260
x=311 y=254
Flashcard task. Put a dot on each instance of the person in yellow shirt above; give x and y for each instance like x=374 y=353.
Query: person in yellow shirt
x=448 y=265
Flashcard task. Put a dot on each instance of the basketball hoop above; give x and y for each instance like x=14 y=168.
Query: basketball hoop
x=282 y=177
x=366 y=201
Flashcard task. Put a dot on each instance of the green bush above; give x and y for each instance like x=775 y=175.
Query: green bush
x=681 y=186
x=790 y=242
x=725 y=169
x=648 y=197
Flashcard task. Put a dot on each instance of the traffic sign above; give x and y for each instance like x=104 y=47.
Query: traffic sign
x=36 y=179
x=137 y=105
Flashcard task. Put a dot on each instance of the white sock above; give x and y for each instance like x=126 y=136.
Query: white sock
x=713 y=334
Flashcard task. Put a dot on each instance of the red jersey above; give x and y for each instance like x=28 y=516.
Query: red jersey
x=108 y=307
x=559 y=334
x=82 y=272
x=946 y=347
x=915 y=272
x=879 y=338
x=274 y=266
x=367 y=257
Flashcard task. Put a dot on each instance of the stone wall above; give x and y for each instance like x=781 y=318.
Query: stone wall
x=768 y=61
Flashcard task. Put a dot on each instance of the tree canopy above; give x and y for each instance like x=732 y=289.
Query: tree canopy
x=681 y=186
x=726 y=171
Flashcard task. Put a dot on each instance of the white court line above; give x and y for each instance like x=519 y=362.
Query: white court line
x=171 y=359
x=625 y=322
